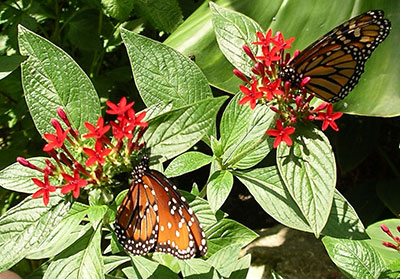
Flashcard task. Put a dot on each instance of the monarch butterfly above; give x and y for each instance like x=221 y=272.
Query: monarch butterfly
x=154 y=216
x=335 y=62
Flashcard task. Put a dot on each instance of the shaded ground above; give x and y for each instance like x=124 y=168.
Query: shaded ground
x=292 y=254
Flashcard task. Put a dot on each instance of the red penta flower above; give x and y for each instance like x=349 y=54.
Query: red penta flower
x=264 y=41
x=119 y=109
x=122 y=129
x=269 y=56
x=251 y=94
x=329 y=118
x=281 y=134
x=45 y=190
x=98 y=131
x=280 y=42
x=136 y=120
x=74 y=185
x=56 y=140
x=96 y=155
x=272 y=89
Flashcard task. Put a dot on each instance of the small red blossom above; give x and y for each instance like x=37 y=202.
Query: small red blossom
x=264 y=41
x=396 y=239
x=280 y=42
x=251 y=94
x=96 y=132
x=281 y=134
x=96 y=155
x=122 y=129
x=45 y=190
x=74 y=185
x=57 y=140
x=329 y=118
x=119 y=109
x=136 y=120
x=272 y=89
x=269 y=56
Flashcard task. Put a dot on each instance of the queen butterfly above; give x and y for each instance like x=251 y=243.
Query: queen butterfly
x=336 y=61
x=154 y=216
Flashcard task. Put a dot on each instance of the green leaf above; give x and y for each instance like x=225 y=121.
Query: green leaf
x=377 y=236
x=241 y=268
x=227 y=232
x=202 y=209
x=233 y=30
x=9 y=63
x=176 y=131
x=218 y=188
x=19 y=178
x=343 y=221
x=267 y=188
x=164 y=15
x=309 y=172
x=51 y=79
x=96 y=213
x=25 y=227
x=196 y=269
x=187 y=162
x=163 y=75
x=354 y=257
x=224 y=260
x=82 y=259
x=252 y=144
x=63 y=235
x=111 y=262
x=118 y=9
x=144 y=268
x=167 y=260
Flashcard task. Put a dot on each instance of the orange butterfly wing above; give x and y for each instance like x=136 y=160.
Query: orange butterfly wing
x=336 y=61
x=154 y=216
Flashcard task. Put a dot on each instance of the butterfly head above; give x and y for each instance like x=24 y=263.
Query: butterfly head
x=288 y=73
x=139 y=170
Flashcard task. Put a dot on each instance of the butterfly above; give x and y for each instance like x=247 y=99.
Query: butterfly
x=154 y=216
x=336 y=61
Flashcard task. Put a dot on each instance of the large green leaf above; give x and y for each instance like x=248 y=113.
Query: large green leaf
x=250 y=145
x=218 y=188
x=233 y=30
x=144 y=268
x=187 y=162
x=26 y=226
x=52 y=79
x=163 y=75
x=82 y=259
x=355 y=258
x=227 y=232
x=63 y=235
x=377 y=92
x=224 y=260
x=176 y=131
x=267 y=188
x=309 y=172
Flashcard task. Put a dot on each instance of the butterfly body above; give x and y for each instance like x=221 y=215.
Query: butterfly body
x=336 y=61
x=154 y=216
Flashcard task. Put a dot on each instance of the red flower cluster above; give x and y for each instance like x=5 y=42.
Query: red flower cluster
x=396 y=239
x=291 y=104
x=71 y=174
